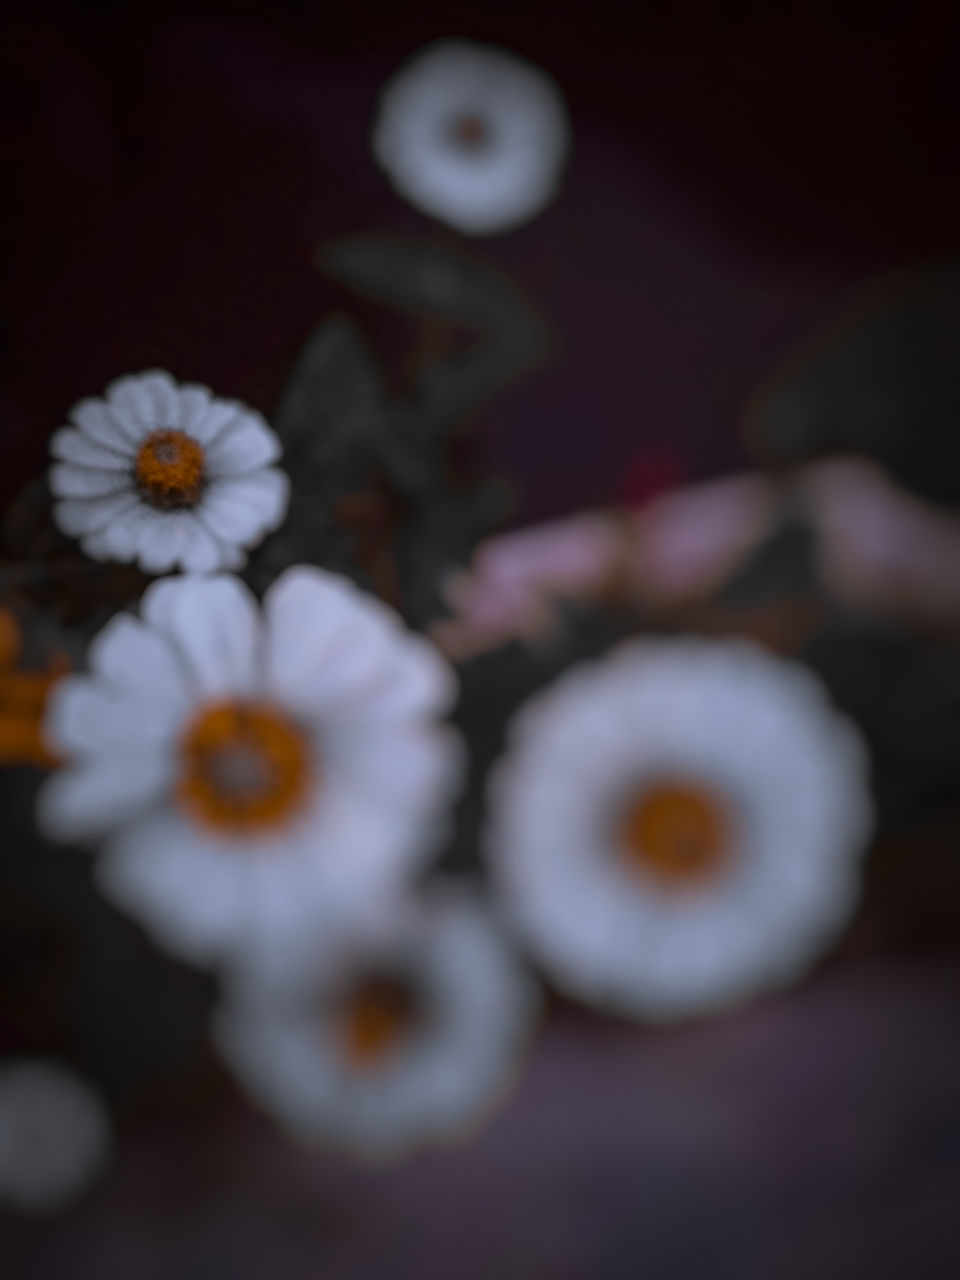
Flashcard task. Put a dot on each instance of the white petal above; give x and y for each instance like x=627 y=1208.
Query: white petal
x=69 y=481
x=194 y=404
x=132 y=406
x=95 y=420
x=203 y=553
x=245 y=446
x=164 y=873
x=91 y=798
x=166 y=539
x=241 y=508
x=160 y=391
x=419 y=683
x=209 y=417
x=76 y=516
x=84 y=716
x=325 y=639
x=404 y=768
x=71 y=445
x=139 y=658
x=215 y=625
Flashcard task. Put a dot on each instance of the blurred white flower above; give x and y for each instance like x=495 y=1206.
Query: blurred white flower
x=166 y=475
x=408 y=1031
x=473 y=135
x=258 y=768
x=679 y=825
x=54 y=1135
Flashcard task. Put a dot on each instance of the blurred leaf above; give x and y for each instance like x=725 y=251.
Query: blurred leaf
x=429 y=280
x=333 y=398
x=422 y=277
x=884 y=381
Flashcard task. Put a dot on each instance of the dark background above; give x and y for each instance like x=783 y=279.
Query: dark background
x=167 y=176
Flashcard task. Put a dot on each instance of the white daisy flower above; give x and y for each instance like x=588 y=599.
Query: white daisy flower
x=406 y=1032
x=680 y=825
x=473 y=135
x=55 y=1135
x=166 y=475
x=255 y=768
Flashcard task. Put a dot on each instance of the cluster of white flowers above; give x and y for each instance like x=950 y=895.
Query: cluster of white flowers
x=260 y=779
x=672 y=828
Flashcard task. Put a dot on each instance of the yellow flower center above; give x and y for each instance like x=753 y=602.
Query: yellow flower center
x=170 y=470
x=678 y=832
x=245 y=767
x=376 y=1017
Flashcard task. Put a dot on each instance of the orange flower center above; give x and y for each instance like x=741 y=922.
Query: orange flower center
x=170 y=470
x=376 y=1017
x=678 y=832
x=11 y=640
x=244 y=767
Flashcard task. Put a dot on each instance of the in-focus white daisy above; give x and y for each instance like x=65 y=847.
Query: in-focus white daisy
x=680 y=825
x=257 y=767
x=54 y=1135
x=408 y=1031
x=166 y=475
x=473 y=135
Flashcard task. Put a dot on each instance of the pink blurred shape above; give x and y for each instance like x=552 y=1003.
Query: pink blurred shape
x=881 y=548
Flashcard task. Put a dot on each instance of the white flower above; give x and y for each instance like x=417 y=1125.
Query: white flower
x=473 y=135
x=257 y=768
x=679 y=825
x=54 y=1135
x=405 y=1032
x=166 y=475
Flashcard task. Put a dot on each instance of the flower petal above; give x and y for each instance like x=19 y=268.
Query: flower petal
x=214 y=623
x=325 y=639
x=95 y=420
x=69 y=481
x=86 y=716
x=71 y=445
x=168 y=539
x=206 y=416
x=160 y=391
x=419 y=683
x=245 y=446
x=98 y=795
x=132 y=406
x=134 y=656
x=76 y=516
x=164 y=873
x=241 y=508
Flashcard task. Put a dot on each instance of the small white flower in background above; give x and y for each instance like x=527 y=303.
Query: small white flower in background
x=55 y=1135
x=257 y=767
x=166 y=475
x=408 y=1031
x=679 y=825
x=473 y=135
